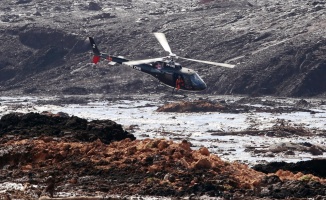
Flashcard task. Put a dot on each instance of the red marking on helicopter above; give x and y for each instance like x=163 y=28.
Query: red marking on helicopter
x=96 y=59
x=109 y=58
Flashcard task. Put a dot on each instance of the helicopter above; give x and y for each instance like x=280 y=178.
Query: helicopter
x=165 y=69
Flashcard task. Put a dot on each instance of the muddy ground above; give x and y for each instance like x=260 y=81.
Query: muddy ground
x=60 y=155
x=206 y=105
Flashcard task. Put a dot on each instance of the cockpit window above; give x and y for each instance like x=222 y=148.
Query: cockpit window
x=192 y=81
x=195 y=79
x=188 y=82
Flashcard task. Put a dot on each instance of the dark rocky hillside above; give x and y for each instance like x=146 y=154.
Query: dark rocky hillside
x=279 y=47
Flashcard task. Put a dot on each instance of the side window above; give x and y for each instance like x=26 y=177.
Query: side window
x=158 y=65
x=187 y=82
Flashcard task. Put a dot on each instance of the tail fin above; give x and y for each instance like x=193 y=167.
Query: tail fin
x=97 y=54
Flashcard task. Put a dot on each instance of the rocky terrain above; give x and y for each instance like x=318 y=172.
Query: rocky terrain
x=70 y=162
x=278 y=46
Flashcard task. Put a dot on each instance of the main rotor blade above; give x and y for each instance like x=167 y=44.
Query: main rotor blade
x=139 y=62
x=162 y=40
x=210 y=63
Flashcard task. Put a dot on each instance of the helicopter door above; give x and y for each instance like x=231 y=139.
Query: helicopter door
x=177 y=83
x=167 y=78
x=187 y=82
x=175 y=77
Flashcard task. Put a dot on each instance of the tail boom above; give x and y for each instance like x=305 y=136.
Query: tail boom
x=98 y=55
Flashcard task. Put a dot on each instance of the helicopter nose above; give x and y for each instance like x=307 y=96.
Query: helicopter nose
x=201 y=86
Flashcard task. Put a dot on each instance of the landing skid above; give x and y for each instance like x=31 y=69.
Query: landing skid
x=174 y=91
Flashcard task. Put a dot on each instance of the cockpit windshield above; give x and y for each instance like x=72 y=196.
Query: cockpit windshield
x=193 y=81
x=196 y=80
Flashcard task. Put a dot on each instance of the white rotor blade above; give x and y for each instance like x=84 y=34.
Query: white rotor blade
x=210 y=63
x=139 y=62
x=162 y=40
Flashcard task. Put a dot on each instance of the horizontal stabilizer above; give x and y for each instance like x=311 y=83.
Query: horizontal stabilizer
x=112 y=63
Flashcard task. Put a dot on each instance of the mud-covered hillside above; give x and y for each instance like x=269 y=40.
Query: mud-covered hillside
x=278 y=46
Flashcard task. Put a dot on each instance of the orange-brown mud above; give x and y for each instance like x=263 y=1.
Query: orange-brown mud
x=67 y=161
